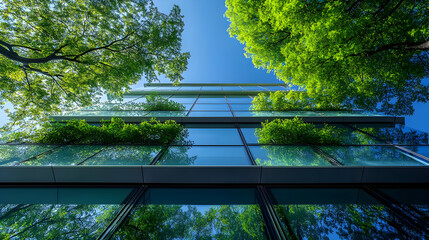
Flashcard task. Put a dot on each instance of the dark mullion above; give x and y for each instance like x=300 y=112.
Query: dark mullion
x=40 y=154
x=408 y=151
x=159 y=155
x=190 y=109
x=229 y=105
x=122 y=214
x=271 y=220
x=326 y=156
x=99 y=151
x=400 y=148
x=395 y=207
x=369 y=134
x=249 y=154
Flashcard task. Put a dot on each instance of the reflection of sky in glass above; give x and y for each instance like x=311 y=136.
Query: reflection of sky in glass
x=210 y=155
x=124 y=155
x=337 y=214
x=370 y=156
x=214 y=136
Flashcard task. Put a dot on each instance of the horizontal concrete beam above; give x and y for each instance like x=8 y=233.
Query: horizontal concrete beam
x=212 y=174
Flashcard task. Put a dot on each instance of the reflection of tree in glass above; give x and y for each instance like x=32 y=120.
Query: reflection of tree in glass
x=189 y=222
x=179 y=155
x=30 y=221
x=399 y=134
x=125 y=155
x=369 y=155
x=343 y=222
x=291 y=156
x=12 y=154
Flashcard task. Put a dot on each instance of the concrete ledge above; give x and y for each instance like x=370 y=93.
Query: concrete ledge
x=395 y=175
x=24 y=174
x=212 y=174
x=98 y=174
x=202 y=174
x=279 y=175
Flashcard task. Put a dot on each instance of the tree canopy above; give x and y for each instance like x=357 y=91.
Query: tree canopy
x=372 y=54
x=64 y=53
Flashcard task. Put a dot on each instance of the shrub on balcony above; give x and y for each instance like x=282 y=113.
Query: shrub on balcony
x=295 y=131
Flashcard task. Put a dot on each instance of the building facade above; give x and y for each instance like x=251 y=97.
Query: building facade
x=220 y=182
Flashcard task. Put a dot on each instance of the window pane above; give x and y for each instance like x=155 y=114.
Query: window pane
x=232 y=88
x=125 y=155
x=58 y=213
x=250 y=135
x=211 y=99
x=213 y=136
x=328 y=213
x=370 y=156
x=398 y=134
x=413 y=199
x=209 y=88
x=240 y=107
x=210 y=107
x=423 y=150
x=184 y=98
x=213 y=155
x=219 y=213
x=13 y=154
x=210 y=114
x=239 y=99
x=65 y=155
x=167 y=114
x=287 y=156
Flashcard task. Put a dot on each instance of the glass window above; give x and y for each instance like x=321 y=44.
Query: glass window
x=250 y=135
x=239 y=99
x=211 y=88
x=337 y=213
x=252 y=88
x=13 y=154
x=287 y=156
x=254 y=114
x=232 y=89
x=167 y=114
x=65 y=155
x=58 y=213
x=413 y=199
x=346 y=113
x=397 y=134
x=183 y=98
x=370 y=156
x=423 y=150
x=180 y=213
x=210 y=155
x=209 y=114
x=274 y=88
x=211 y=99
x=240 y=107
x=210 y=107
x=124 y=155
x=107 y=113
x=191 y=89
x=213 y=136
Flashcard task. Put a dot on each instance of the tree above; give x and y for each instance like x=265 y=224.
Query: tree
x=56 y=54
x=372 y=54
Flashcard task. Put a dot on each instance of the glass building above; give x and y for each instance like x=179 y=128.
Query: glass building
x=220 y=182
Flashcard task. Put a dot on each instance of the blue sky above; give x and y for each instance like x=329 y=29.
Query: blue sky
x=218 y=58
